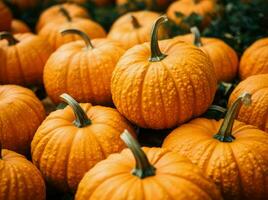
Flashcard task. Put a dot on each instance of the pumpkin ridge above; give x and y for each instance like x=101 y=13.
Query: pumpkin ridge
x=100 y=145
x=81 y=78
x=14 y=182
x=70 y=58
x=157 y=182
x=19 y=65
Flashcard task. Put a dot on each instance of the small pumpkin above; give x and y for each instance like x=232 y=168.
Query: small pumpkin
x=71 y=141
x=223 y=57
x=25 y=4
x=253 y=60
x=95 y=60
x=257 y=113
x=23 y=57
x=162 y=85
x=155 y=173
x=18 y=26
x=51 y=31
x=19 y=178
x=54 y=13
x=5 y=16
x=230 y=152
x=134 y=28
x=21 y=114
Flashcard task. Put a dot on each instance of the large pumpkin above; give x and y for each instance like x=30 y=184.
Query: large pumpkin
x=71 y=141
x=18 y=26
x=21 y=114
x=254 y=59
x=257 y=113
x=134 y=28
x=223 y=57
x=230 y=152
x=6 y=17
x=160 y=87
x=23 y=57
x=51 y=31
x=155 y=173
x=19 y=178
x=95 y=60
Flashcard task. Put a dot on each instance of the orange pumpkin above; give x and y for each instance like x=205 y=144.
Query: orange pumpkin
x=257 y=113
x=21 y=114
x=23 y=57
x=134 y=28
x=54 y=13
x=155 y=173
x=161 y=87
x=18 y=26
x=223 y=57
x=25 y=4
x=71 y=141
x=5 y=16
x=253 y=60
x=95 y=60
x=51 y=31
x=19 y=178
x=230 y=152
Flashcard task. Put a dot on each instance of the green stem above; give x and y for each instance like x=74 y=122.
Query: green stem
x=197 y=36
x=81 y=117
x=65 y=13
x=156 y=54
x=225 y=132
x=135 y=22
x=9 y=37
x=83 y=35
x=143 y=167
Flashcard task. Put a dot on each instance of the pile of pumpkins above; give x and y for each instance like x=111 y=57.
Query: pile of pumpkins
x=153 y=83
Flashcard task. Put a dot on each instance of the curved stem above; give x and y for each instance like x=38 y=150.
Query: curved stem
x=156 y=54
x=83 y=35
x=81 y=117
x=225 y=132
x=65 y=13
x=197 y=36
x=143 y=167
x=135 y=22
x=9 y=37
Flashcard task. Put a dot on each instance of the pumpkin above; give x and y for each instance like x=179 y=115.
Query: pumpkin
x=94 y=60
x=148 y=173
x=5 y=16
x=19 y=178
x=18 y=26
x=184 y=8
x=51 y=31
x=25 y=4
x=54 y=13
x=253 y=60
x=161 y=85
x=23 y=57
x=230 y=152
x=134 y=28
x=223 y=57
x=257 y=113
x=149 y=3
x=71 y=141
x=21 y=114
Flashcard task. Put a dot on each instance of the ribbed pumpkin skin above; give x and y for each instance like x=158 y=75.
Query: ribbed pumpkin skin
x=223 y=57
x=254 y=59
x=5 y=16
x=51 y=31
x=53 y=13
x=63 y=152
x=83 y=73
x=124 y=32
x=257 y=113
x=240 y=168
x=21 y=114
x=176 y=178
x=18 y=26
x=166 y=93
x=20 y=180
x=23 y=63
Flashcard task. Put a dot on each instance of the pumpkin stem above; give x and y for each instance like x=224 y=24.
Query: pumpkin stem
x=197 y=36
x=65 y=13
x=9 y=37
x=225 y=132
x=81 y=117
x=82 y=34
x=143 y=167
x=135 y=22
x=156 y=54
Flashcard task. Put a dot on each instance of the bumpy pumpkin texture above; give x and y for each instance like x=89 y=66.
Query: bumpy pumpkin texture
x=5 y=16
x=18 y=26
x=71 y=141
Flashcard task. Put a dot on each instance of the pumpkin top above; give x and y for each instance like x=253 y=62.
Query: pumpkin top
x=9 y=37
